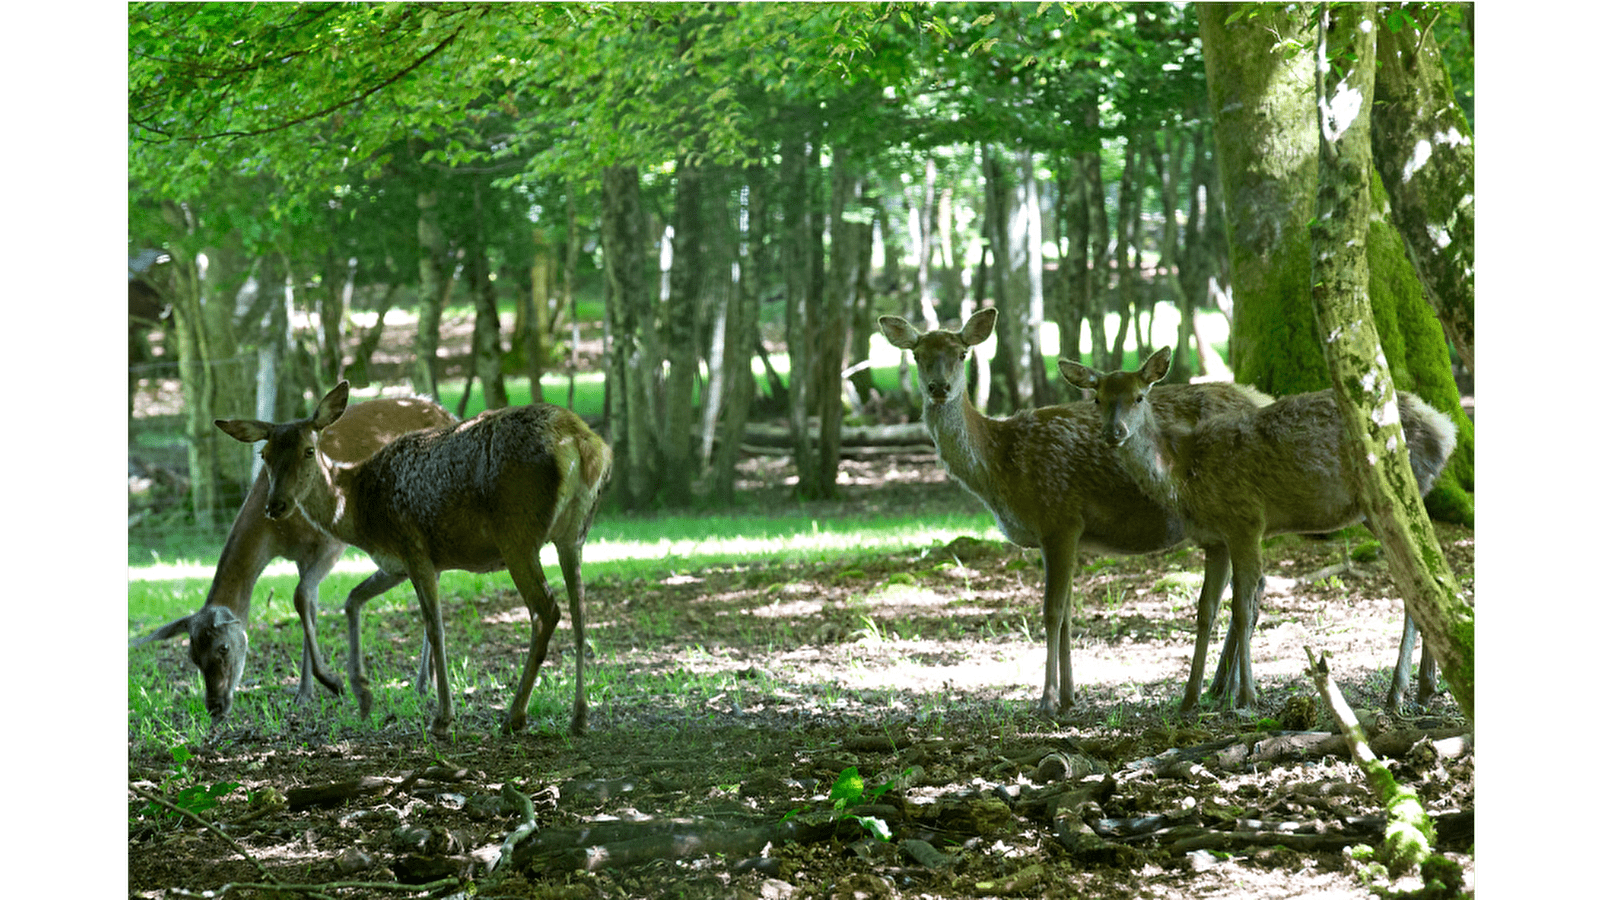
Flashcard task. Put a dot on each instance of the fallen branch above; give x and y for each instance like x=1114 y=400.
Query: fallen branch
x=530 y=823
x=161 y=801
x=1408 y=839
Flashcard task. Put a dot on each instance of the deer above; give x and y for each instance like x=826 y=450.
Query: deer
x=1241 y=478
x=218 y=642
x=1050 y=481
x=482 y=496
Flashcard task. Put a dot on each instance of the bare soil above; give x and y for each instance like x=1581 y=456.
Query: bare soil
x=727 y=698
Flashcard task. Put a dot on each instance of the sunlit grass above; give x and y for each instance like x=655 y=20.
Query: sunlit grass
x=617 y=549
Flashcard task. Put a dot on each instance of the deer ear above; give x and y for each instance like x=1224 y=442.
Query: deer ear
x=1156 y=367
x=898 y=331
x=246 y=430
x=979 y=327
x=331 y=407
x=1078 y=375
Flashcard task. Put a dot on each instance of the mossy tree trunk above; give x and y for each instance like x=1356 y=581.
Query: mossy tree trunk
x=1423 y=148
x=1364 y=389
x=1267 y=155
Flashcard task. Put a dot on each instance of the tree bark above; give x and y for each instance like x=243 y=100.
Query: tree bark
x=742 y=333
x=1264 y=121
x=1424 y=151
x=1267 y=154
x=631 y=365
x=433 y=285
x=486 y=323
x=681 y=338
x=799 y=318
x=1374 y=445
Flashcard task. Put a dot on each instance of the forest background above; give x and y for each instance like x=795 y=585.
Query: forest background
x=85 y=381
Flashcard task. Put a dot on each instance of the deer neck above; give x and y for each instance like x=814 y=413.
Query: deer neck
x=326 y=503
x=962 y=435
x=1149 y=456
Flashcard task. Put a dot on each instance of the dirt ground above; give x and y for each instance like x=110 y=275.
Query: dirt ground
x=724 y=700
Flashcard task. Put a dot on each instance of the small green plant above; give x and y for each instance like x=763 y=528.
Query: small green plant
x=850 y=790
x=1332 y=583
x=192 y=796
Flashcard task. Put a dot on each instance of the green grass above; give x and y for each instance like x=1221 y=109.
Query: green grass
x=162 y=586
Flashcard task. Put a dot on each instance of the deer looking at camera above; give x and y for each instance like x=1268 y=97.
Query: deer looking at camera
x=483 y=495
x=1049 y=479
x=218 y=643
x=1238 y=479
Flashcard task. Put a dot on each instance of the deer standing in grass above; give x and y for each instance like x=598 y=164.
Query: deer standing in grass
x=1241 y=478
x=218 y=643
x=1050 y=481
x=483 y=495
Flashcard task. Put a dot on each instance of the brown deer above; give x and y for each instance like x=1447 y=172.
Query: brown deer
x=218 y=643
x=1050 y=481
x=1241 y=478
x=483 y=495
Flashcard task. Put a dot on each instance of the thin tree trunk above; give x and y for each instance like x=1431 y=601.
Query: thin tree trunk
x=630 y=363
x=680 y=335
x=434 y=280
x=486 y=323
x=795 y=250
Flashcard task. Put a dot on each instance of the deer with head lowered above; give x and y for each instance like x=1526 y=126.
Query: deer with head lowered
x=1238 y=479
x=483 y=495
x=1050 y=481
x=218 y=643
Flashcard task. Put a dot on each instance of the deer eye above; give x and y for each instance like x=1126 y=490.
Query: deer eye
x=310 y=452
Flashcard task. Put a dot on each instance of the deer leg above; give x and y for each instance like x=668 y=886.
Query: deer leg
x=1402 y=667
x=1217 y=568
x=528 y=576
x=571 y=557
x=1247 y=585
x=1427 y=676
x=1225 y=683
x=1060 y=558
x=305 y=606
x=426 y=582
x=375 y=584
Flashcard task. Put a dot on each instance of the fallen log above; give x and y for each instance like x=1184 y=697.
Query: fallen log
x=625 y=844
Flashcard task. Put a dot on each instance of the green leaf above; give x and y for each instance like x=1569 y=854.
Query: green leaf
x=847 y=790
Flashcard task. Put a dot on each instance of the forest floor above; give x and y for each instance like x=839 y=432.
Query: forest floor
x=729 y=698
x=726 y=703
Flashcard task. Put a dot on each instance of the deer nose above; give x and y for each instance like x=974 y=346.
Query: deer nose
x=938 y=389
x=276 y=509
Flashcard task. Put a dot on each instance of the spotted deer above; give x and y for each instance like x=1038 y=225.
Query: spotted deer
x=482 y=495
x=1050 y=481
x=218 y=643
x=1240 y=478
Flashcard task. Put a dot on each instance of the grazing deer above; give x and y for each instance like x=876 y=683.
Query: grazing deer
x=483 y=495
x=1050 y=481
x=1241 y=478
x=218 y=643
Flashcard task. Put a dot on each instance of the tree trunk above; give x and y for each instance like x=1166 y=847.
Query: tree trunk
x=795 y=259
x=836 y=301
x=434 y=276
x=1375 y=450
x=1006 y=389
x=681 y=337
x=742 y=330
x=630 y=363
x=1423 y=147
x=486 y=323
x=1268 y=160
x=1266 y=142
